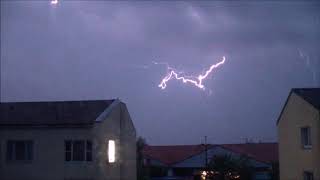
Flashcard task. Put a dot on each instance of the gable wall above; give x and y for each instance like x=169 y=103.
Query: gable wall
x=116 y=126
x=293 y=158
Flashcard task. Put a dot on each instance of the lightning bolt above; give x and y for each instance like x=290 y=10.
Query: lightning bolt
x=186 y=79
x=309 y=65
x=54 y=2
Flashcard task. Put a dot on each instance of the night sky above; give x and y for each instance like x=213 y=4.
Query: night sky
x=79 y=50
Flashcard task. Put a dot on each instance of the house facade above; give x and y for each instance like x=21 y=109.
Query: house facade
x=189 y=161
x=69 y=140
x=299 y=135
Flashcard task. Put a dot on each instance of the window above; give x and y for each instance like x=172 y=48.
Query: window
x=307 y=175
x=111 y=151
x=306 y=137
x=89 y=151
x=78 y=150
x=68 y=150
x=19 y=150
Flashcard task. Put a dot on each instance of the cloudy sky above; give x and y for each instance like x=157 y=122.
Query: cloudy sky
x=80 y=50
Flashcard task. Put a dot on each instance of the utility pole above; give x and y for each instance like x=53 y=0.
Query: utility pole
x=204 y=173
x=206 y=151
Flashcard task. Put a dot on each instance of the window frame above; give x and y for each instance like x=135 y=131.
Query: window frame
x=88 y=150
x=307 y=174
x=306 y=137
x=28 y=154
x=68 y=151
x=72 y=149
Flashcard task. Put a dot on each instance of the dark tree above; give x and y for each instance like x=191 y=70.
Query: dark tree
x=226 y=167
x=141 y=169
x=244 y=168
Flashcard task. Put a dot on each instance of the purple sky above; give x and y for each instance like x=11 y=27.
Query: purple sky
x=101 y=50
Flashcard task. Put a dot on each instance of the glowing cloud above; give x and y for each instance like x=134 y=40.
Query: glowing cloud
x=186 y=79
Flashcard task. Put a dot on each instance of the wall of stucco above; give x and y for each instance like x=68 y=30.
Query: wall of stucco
x=293 y=159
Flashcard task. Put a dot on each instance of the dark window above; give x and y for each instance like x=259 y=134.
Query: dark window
x=68 y=150
x=306 y=137
x=307 y=175
x=78 y=150
x=19 y=150
x=89 y=151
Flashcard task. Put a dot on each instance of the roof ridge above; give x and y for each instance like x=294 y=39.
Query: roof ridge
x=212 y=144
x=306 y=88
x=174 y=145
x=43 y=101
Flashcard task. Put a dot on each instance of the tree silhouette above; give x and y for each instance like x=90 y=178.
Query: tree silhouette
x=141 y=170
x=227 y=167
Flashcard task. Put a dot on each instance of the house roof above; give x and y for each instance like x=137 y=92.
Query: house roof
x=172 y=154
x=265 y=152
x=311 y=95
x=54 y=113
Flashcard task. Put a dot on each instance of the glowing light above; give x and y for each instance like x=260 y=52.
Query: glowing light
x=111 y=151
x=186 y=79
x=54 y=2
x=203 y=175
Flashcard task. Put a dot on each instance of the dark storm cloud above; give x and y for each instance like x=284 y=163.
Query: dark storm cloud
x=94 y=50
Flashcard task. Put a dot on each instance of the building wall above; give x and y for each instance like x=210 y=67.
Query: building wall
x=49 y=155
x=117 y=126
x=293 y=159
x=128 y=144
x=107 y=129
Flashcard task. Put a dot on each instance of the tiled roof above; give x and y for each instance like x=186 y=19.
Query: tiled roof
x=172 y=154
x=265 y=152
x=55 y=113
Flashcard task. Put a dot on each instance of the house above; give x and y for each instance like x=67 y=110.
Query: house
x=299 y=135
x=188 y=161
x=67 y=140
